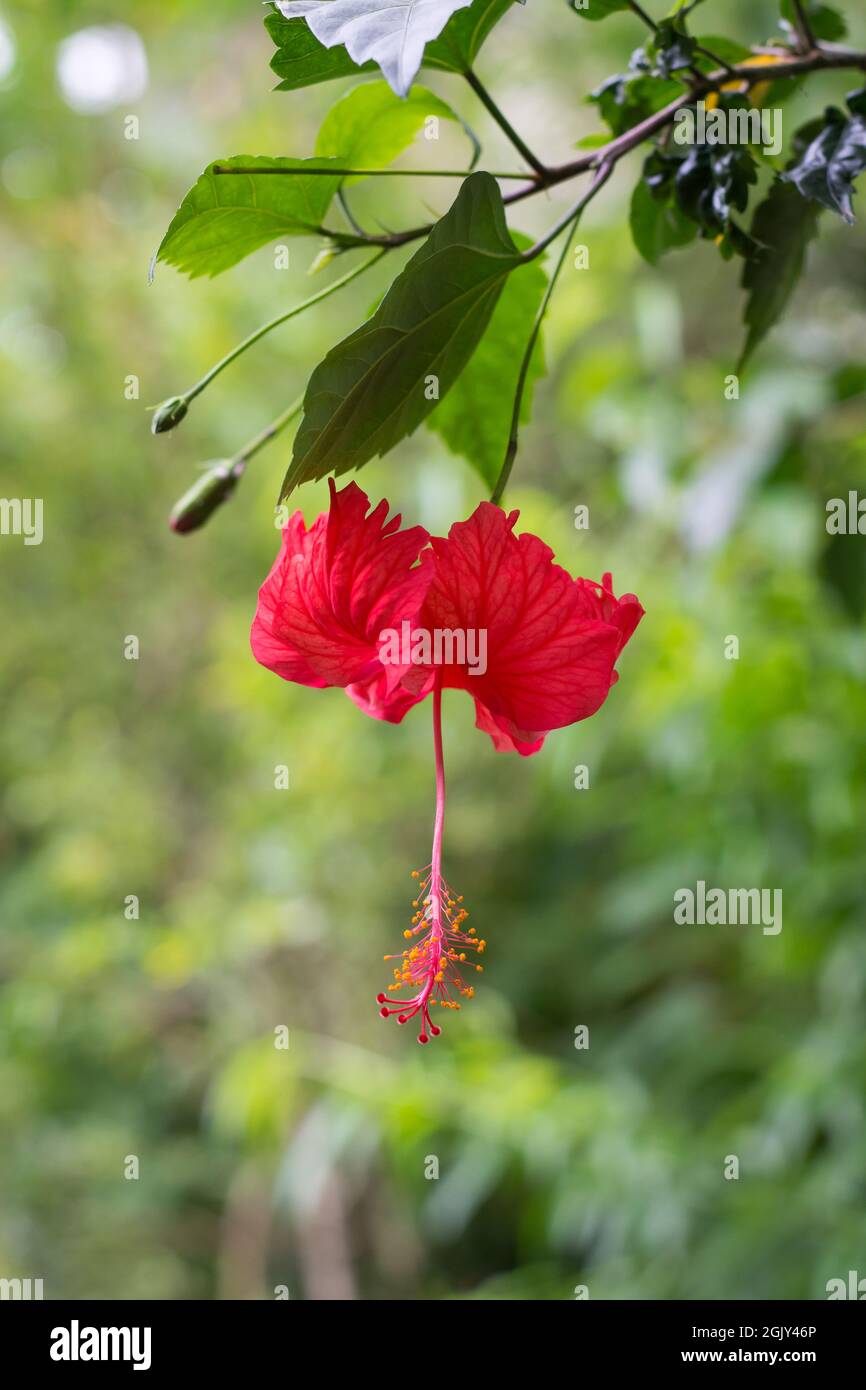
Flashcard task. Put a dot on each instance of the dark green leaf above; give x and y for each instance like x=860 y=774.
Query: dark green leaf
x=712 y=183
x=301 y=61
x=226 y=216
x=782 y=227
x=658 y=224
x=707 y=185
x=459 y=43
x=626 y=100
x=672 y=48
x=826 y=170
x=374 y=387
x=597 y=9
x=391 y=33
x=736 y=241
x=474 y=419
x=825 y=22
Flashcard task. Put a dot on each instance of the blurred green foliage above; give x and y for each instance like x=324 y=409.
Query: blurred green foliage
x=259 y=908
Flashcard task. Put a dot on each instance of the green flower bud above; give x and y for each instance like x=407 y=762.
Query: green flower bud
x=207 y=493
x=168 y=414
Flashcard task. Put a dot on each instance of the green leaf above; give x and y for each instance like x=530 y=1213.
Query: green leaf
x=474 y=419
x=827 y=168
x=226 y=216
x=708 y=185
x=783 y=225
x=672 y=48
x=460 y=41
x=301 y=60
x=369 y=126
x=657 y=224
x=597 y=9
x=393 y=33
x=372 y=389
x=712 y=183
x=626 y=100
x=826 y=23
x=596 y=141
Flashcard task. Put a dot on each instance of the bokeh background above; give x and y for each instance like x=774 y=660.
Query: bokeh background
x=305 y=1167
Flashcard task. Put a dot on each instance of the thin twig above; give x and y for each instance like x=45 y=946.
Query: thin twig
x=603 y=173
x=826 y=58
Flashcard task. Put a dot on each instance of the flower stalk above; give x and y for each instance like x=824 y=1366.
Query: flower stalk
x=171 y=412
x=433 y=966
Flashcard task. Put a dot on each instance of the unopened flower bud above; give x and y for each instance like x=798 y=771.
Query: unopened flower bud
x=207 y=493
x=168 y=414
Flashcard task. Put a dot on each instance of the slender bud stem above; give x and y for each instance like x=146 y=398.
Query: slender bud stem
x=296 y=309
x=269 y=432
x=570 y=220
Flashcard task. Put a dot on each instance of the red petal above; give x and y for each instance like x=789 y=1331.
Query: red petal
x=551 y=640
x=506 y=740
x=334 y=588
x=375 y=698
x=597 y=601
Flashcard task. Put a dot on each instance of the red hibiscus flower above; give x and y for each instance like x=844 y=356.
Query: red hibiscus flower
x=358 y=603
